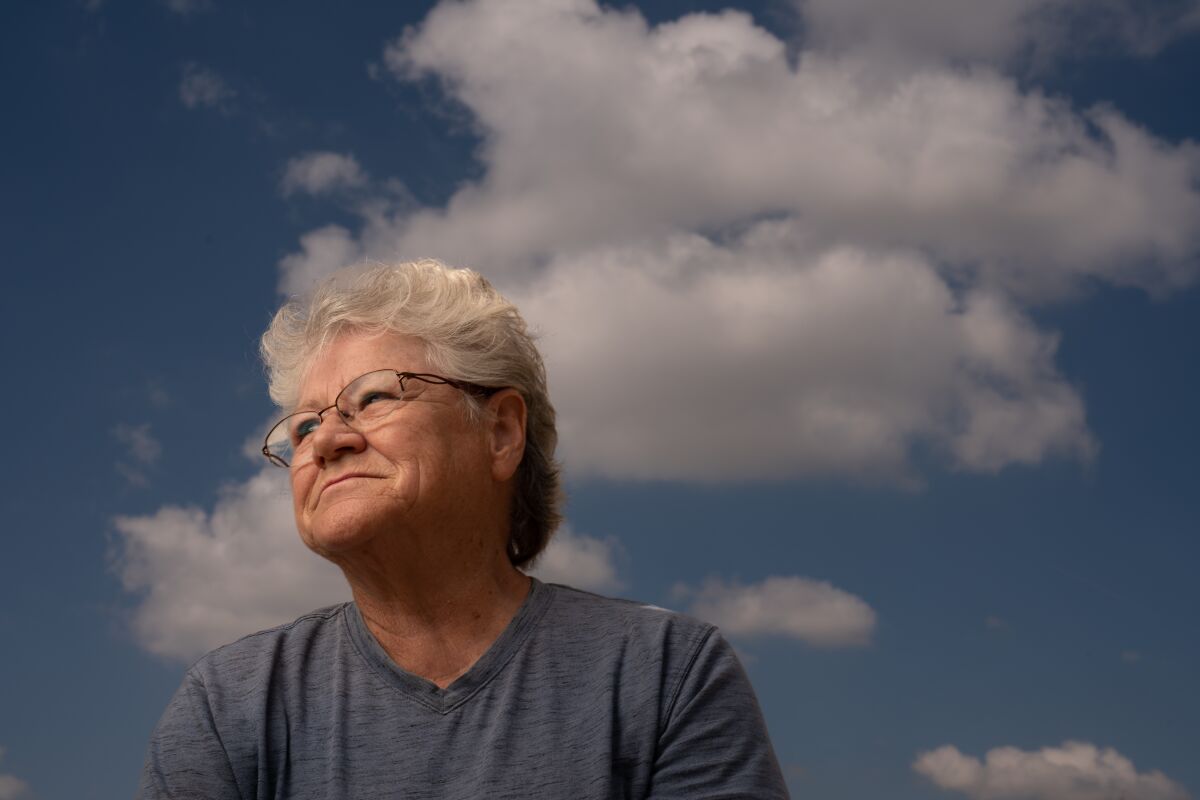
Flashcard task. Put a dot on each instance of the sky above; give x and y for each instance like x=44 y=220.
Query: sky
x=872 y=328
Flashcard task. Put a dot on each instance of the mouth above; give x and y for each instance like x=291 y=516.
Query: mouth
x=342 y=479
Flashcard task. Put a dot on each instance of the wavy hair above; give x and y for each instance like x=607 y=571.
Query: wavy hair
x=471 y=333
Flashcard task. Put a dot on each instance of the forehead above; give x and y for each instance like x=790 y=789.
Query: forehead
x=352 y=354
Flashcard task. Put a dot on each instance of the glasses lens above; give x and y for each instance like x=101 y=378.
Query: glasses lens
x=290 y=434
x=372 y=396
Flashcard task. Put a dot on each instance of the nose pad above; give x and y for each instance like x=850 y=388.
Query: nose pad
x=335 y=437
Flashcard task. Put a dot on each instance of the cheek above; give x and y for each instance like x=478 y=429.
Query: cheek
x=302 y=482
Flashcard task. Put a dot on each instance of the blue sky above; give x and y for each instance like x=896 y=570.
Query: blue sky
x=873 y=332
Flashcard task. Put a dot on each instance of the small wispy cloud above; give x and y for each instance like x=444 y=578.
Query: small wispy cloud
x=11 y=787
x=1074 y=771
x=189 y=7
x=812 y=611
x=201 y=87
x=320 y=172
x=142 y=452
x=157 y=396
x=143 y=447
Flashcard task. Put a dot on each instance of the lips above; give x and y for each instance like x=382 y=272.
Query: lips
x=341 y=478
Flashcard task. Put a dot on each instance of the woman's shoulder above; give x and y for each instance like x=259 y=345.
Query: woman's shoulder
x=266 y=649
x=629 y=622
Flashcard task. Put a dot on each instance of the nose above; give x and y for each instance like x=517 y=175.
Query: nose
x=334 y=438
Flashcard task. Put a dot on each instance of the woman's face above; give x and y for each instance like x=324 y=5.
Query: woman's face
x=421 y=468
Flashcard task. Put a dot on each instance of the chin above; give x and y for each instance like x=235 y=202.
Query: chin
x=338 y=530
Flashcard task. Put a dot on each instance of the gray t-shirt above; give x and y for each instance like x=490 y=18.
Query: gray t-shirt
x=581 y=697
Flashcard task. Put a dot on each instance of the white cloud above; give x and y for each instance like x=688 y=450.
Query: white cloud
x=315 y=173
x=201 y=87
x=208 y=577
x=321 y=251
x=812 y=611
x=703 y=123
x=758 y=360
x=581 y=561
x=704 y=228
x=11 y=787
x=1074 y=771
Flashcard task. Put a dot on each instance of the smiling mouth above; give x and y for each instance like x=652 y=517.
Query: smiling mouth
x=342 y=479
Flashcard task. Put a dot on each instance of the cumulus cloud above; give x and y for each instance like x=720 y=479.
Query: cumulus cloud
x=205 y=578
x=11 y=787
x=689 y=360
x=584 y=562
x=1074 y=771
x=703 y=123
x=702 y=227
x=812 y=611
x=319 y=172
x=201 y=87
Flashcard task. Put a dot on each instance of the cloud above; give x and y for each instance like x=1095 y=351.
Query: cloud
x=756 y=361
x=188 y=7
x=205 y=578
x=1074 y=771
x=321 y=251
x=143 y=449
x=812 y=611
x=142 y=445
x=316 y=173
x=998 y=31
x=703 y=123
x=581 y=561
x=11 y=788
x=704 y=226
x=201 y=87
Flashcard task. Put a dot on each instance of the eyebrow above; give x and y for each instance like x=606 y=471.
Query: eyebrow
x=307 y=405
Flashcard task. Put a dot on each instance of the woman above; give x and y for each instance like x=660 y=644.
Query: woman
x=420 y=452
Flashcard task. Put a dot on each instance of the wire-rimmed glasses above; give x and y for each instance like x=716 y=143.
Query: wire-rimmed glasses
x=365 y=402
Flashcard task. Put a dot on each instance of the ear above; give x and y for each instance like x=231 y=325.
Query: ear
x=507 y=440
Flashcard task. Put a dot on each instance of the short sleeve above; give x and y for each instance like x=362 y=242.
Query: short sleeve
x=186 y=760
x=714 y=743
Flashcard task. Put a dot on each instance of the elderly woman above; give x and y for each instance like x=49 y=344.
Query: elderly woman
x=419 y=443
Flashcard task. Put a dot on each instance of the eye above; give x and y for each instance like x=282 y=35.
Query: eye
x=376 y=397
x=304 y=427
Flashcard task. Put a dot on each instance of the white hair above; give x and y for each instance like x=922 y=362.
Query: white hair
x=471 y=333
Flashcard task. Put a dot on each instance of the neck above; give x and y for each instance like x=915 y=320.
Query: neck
x=437 y=611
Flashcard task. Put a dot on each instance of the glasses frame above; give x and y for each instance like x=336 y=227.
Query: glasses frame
x=465 y=387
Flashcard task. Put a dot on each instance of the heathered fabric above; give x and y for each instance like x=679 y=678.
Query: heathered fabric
x=581 y=697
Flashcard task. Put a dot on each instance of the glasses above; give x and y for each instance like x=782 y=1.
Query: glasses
x=366 y=401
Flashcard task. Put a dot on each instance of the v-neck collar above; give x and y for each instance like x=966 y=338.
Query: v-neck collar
x=426 y=692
